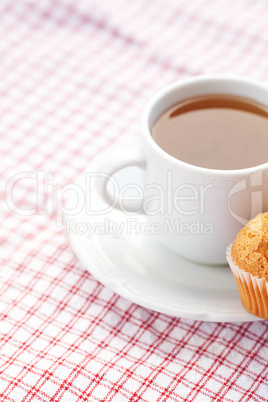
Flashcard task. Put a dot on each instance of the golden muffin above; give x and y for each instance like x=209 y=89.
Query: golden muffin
x=248 y=259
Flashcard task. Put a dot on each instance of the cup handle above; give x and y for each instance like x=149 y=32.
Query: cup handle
x=110 y=162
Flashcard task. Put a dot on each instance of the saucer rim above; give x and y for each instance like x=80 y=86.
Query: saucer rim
x=186 y=312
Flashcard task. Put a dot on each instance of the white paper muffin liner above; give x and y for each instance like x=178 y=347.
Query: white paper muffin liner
x=252 y=289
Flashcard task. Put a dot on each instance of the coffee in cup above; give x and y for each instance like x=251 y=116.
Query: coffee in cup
x=215 y=131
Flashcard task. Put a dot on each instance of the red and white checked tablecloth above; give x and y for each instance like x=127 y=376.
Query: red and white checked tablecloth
x=74 y=77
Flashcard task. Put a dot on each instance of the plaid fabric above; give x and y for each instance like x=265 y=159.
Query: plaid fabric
x=74 y=77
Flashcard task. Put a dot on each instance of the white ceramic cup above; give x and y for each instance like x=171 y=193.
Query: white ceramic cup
x=197 y=211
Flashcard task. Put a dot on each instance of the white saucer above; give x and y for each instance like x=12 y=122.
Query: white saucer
x=143 y=271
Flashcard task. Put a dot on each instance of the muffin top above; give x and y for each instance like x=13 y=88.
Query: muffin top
x=250 y=248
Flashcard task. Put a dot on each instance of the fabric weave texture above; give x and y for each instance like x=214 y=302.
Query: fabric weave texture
x=74 y=78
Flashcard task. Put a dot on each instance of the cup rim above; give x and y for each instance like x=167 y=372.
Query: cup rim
x=158 y=96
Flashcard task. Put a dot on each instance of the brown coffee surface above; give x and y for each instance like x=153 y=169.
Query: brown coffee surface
x=215 y=131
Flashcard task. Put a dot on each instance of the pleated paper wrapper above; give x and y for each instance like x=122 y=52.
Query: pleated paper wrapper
x=253 y=290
